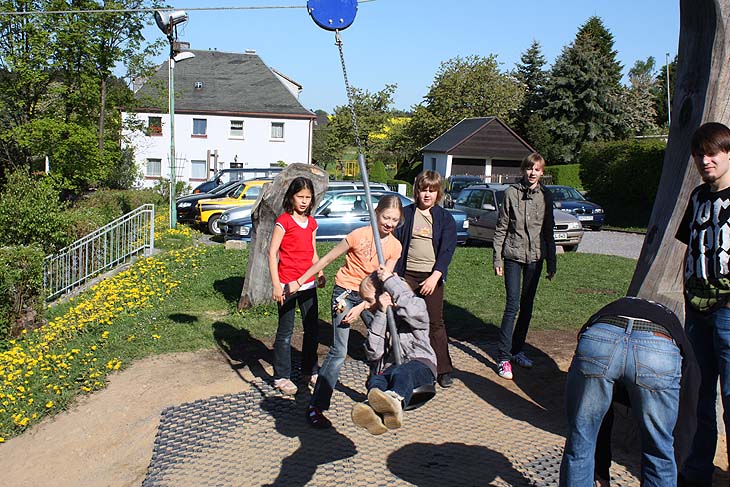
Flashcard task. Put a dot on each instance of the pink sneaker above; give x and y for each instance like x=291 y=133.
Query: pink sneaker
x=505 y=370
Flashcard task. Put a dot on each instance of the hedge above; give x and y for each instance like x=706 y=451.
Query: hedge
x=565 y=175
x=623 y=177
x=21 y=290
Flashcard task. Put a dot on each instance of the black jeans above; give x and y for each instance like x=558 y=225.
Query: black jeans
x=310 y=322
x=512 y=337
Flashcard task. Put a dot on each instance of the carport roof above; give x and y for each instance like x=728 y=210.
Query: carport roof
x=480 y=136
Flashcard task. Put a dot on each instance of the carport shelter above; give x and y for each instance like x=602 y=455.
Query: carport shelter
x=483 y=146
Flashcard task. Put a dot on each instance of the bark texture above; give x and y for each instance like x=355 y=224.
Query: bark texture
x=702 y=94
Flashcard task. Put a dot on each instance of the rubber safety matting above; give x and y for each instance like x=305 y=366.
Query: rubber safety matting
x=481 y=431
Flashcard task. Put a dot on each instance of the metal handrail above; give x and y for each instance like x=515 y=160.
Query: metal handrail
x=102 y=250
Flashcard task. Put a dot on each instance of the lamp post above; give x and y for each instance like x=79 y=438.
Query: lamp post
x=168 y=22
x=669 y=103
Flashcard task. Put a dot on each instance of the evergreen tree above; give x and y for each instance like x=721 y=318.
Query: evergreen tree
x=583 y=93
x=531 y=73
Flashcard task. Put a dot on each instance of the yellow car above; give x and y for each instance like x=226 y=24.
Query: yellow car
x=209 y=211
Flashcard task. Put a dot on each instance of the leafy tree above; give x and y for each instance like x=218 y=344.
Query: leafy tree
x=531 y=73
x=59 y=68
x=31 y=213
x=659 y=91
x=463 y=88
x=583 y=93
x=637 y=103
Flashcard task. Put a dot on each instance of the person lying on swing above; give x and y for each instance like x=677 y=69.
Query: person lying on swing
x=391 y=385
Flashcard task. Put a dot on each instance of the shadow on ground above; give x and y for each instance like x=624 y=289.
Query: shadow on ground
x=427 y=465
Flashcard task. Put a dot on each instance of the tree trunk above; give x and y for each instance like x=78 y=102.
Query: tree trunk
x=257 y=284
x=102 y=115
x=701 y=94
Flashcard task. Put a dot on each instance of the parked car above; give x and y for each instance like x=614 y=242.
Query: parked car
x=343 y=185
x=570 y=200
x=224 y=176
x=339 y=213
x=209 y=211
x=186 y=204
x=481 y=203
x=454 y=185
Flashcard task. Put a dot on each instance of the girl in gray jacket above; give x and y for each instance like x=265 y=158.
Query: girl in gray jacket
x=523 y=239
x=392 y=386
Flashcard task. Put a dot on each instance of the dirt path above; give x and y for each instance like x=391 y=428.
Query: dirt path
x=106 y=439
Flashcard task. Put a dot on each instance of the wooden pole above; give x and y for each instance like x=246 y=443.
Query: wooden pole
x=701 y=94
x=257 y=283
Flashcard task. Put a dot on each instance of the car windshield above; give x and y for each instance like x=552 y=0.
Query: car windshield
x=223 y=187
x=457 y=186
x=562 y=193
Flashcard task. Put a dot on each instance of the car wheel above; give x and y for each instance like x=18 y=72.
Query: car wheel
x=213 y=227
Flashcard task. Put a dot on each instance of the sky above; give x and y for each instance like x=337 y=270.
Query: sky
x=403 y=42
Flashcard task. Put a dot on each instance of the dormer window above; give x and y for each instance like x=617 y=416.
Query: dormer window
x=198 y=85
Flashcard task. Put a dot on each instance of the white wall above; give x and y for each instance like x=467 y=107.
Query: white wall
x=255 y=149
x=442 y=163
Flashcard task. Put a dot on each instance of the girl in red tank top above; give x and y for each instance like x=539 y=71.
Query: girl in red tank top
x=292 y=251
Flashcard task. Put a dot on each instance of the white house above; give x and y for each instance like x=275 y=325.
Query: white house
x=231 y=110
x=483 y=146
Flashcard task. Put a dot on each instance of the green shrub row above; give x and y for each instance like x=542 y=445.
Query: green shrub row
x=623 y=177
x=21 y=290
x=565 y=175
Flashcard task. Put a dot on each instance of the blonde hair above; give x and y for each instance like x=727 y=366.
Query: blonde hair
x=389 y=202
x=531 y=160
x=428 y=180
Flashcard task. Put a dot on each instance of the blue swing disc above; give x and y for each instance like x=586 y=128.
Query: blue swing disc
x=332 y=14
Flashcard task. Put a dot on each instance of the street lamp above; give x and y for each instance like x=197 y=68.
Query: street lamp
x=168 y=22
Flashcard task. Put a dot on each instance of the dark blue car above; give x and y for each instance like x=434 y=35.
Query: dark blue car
x=570 y=200
x=339 y=213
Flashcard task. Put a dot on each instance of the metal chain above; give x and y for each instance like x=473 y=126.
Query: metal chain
x=338 y=43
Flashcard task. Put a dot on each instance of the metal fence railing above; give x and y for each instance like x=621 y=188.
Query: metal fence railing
x=102 y=250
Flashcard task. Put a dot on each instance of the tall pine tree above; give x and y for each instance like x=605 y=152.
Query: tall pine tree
x=533 y=76
x=583 y=94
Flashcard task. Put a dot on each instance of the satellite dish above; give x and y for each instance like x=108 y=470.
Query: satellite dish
x=332 y=14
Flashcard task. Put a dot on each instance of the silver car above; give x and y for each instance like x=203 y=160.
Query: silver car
x=481 y=203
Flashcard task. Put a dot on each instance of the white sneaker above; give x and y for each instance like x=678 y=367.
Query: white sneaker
x=505 y=370
x=522 y=360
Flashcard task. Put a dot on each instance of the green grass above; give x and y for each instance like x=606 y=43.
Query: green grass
x=200 y=313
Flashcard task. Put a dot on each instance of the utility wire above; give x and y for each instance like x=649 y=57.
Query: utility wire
x=165 y=9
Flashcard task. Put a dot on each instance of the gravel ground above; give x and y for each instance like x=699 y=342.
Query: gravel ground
x=612 y=243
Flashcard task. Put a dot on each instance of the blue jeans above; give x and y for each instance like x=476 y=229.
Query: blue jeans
x=710 y=338
x=649 y=367
x=512 y=337
x=402 y=379
x=307 y=301
x=329 y=372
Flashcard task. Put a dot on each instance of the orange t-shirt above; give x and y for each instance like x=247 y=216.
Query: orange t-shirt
x=362 y=259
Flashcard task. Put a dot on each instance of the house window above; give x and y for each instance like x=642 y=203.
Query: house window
x=236 y=129
x=277 y=130
x=198 y=170
x=433 y=163
x=154 y=168
x=154 y=126
x=200 y=127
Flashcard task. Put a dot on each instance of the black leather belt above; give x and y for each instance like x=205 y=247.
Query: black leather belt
x=639 y=324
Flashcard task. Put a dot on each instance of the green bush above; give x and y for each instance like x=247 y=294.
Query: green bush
x=623 y=177
x=565 y=175
x=21 y=290
x=378 y=174
x=32 y=213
